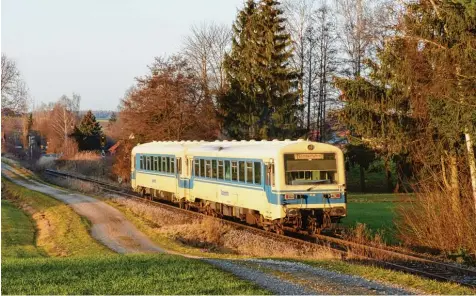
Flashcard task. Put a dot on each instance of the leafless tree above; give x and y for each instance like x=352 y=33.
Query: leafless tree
x=14 y=90
x=205 y=49
x=63 y=118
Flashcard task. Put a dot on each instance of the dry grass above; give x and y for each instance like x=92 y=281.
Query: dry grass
x=87 y=163
x=211 y=235
x=437 y=222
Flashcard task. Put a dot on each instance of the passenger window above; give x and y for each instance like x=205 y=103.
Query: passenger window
x=234 y=171
x=164 y=164
x=179 y=165
x=167 y=164
x=241 y=167
x=172 y=165
x=154 y=163
x=227 y=170
x=159 y=164
x=214 y=169
x=249 y=172
x=148 y=163
x=197 y=168
x=202 y=167
x=141 y=162
x=257 y=173
x=220 y=169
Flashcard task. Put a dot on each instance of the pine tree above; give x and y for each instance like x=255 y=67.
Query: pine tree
x=88 y=132
x=262 y=98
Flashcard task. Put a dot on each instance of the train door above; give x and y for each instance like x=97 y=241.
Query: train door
x=269 y=185
x=133 y=171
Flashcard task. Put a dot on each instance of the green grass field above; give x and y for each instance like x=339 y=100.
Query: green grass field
x=18 y=233
x=377 y=211
x=119 y=274
x=90 y=268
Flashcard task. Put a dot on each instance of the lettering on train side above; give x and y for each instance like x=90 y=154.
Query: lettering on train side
x=224 y=193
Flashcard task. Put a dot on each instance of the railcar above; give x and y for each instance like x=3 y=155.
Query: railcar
x=274 y=184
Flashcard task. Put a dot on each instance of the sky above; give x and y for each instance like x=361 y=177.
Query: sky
x=97 y=47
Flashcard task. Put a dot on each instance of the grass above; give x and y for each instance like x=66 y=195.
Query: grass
x=61 y=232
x=127 y=274
x=396 y=278
x=18 y=233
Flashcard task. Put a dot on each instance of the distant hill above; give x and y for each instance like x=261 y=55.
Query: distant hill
x=100 y=114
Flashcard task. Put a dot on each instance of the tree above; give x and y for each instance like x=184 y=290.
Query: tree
x=14 y=91
x=168 y=104
x=63 y=118
x=262 y=99
x=419 y=97
x=88 y=133
x=205 y=49
x=113 y=118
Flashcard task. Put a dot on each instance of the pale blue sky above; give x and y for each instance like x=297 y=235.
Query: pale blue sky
x=96 y=48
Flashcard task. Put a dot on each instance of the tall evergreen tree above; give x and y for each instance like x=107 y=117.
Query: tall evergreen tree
x=262 y=99
x=88 y=132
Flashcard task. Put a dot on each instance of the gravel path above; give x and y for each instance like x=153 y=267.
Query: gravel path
x=323 y=281
x=264 y=280
x=109 y=226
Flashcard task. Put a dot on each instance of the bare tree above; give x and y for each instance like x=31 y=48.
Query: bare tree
x=14 y=90
x=205 y=49
x=63 y=118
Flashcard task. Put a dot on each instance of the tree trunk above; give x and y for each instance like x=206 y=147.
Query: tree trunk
x=388 y=175
x=454 y=182
x=362 y=179
x=472 y=164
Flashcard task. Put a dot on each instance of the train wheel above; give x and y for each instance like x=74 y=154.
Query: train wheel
x=312 y=227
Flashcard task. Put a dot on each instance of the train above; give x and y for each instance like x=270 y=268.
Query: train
x=275 y=185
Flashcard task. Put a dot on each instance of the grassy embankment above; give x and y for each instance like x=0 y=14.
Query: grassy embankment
x=45 y=227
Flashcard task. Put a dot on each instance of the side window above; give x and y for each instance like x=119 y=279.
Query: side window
x=227 y=170
x=234 y=171
x=148 y=163
x=159 y=164
x=141 y=162
x=172 y=165
x=241 y=168
x=270 y=174
x=214 y=168
x=167 y=164
x=220 y=169
x=202 y=167
x=257 y=173
x=208 y=168
x=154 y=163
x=196 y=170
x=164 y=164
x=249 y=172
x=179 y=165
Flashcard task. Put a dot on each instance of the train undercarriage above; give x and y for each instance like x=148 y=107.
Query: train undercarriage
x=313 y=221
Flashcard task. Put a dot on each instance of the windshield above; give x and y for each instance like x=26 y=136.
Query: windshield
x=310 y=168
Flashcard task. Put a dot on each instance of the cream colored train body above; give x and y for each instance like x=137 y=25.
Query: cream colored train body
x=270 y=183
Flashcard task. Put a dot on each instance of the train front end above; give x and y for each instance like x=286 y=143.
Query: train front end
x=310 y=185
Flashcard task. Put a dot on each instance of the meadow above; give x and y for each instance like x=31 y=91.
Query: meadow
x=63 y=258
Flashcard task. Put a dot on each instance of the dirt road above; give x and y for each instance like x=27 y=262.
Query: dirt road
x=109 y=226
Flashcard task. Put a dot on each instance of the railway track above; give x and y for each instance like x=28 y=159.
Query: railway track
x=418 y=264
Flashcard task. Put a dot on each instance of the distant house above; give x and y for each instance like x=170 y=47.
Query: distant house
x=114 y=147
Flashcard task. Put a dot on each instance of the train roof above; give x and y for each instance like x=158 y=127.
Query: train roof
x=230 y=149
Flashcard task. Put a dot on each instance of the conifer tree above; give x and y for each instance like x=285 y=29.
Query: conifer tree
x=88 y=132
x=262 y=99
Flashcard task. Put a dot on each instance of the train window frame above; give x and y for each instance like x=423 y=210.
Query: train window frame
x=167 y=162
x=202 y=168
x=241 y=171
x=179 y=165
x=196 y=167
x=172 y=165
x=214 y=169
x=208 y=168
x=257 y=173
x=164 y=164
x=234 y=171
x=141 y=162
x=249 y=169
x=221 y=164
x=154 y=164
x=227 y=168
x=159 y=163
x=147 y=163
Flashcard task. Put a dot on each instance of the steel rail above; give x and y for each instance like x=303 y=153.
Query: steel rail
x=415 y=264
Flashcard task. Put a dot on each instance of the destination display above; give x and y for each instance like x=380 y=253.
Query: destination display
x=309 y=156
